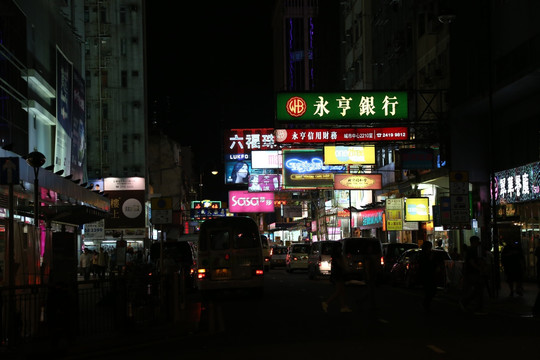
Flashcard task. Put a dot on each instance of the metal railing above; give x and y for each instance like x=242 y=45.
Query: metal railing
x=86 y=308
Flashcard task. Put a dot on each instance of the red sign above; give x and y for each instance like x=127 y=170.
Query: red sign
x=292 y=136
x=243 y=141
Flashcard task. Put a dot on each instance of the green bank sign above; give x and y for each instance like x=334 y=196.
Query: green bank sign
x=342 y=106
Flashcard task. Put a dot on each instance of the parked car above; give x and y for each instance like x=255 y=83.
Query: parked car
x=320 y=258
x=392 y=251
x=279 y=256
x=297 y=257
x=406 y=269
x=360 y=255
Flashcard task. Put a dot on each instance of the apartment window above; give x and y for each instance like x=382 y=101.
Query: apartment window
x=134 y=73
x=123 y=15
x=124 y=78
x=88 y=79
x=105 y=143
x=103 y=15
x=105 y=110
x=123 y=47
x=124 y=143
x=86 y=14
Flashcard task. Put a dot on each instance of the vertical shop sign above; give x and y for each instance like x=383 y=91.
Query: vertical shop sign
x=394 y=214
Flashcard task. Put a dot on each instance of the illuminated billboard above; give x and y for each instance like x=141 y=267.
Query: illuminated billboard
x=417 y=209
x=244 y=201
x=357 y=181
x=237 y=168
x=305 y=169
x=342 y=106
x=243 y=141
x=269 y=159
x=331 y=135
x=357 y=155
x=266 y=182
x=518 y=184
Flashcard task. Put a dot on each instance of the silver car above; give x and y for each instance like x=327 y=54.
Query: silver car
x=297 y=257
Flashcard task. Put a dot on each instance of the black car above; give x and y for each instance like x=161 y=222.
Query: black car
x=406 y=269
x=392 y=251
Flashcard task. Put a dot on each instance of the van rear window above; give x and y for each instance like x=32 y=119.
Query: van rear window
x=222 y=239
x=362 y=247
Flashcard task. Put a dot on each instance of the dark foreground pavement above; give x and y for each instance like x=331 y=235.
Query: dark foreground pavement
x=190 y=324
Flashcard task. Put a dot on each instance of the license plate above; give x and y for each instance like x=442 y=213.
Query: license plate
x=221 y=274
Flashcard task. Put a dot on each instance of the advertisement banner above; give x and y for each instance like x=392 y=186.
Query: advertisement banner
x=354 y=155
x=370 y=219
x=64 y=127
x=305 y=169
x=518 y=184
x=394 y=214
x=417 y=209
x=243 y=141
x=357 y=182
x=270 y=182
x=237 y=168
x=342 y=106
x=270 y=159
x=308 y=136
x=244 y=201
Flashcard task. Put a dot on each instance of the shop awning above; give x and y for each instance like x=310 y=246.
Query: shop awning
x=67 y=214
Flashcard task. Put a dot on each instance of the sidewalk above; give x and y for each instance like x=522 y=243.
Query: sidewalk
x=502 y=303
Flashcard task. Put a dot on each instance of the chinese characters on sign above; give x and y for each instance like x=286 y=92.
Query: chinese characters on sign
x=289 y=136
x=518 y=185
x=242 y=141
x=342 y=106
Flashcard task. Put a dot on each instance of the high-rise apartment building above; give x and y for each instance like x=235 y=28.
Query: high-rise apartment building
x=115 y=88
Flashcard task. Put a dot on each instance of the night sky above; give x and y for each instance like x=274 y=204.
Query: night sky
x=214 y=61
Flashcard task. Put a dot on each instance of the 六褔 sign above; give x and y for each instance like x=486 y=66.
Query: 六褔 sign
x=245 y=201
x=339 y=106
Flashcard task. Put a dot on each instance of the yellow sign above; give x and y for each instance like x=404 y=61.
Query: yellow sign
x=337 y=155
x=417 y=209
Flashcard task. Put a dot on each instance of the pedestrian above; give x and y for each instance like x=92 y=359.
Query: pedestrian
x=473 y=278
x=86 y=263
x=428 y=269
x=102 y=261
x=513 y=263
x=337 y=278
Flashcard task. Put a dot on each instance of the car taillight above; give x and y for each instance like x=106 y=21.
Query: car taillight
x=201 y=273
x=259 y=272
x=382 y=261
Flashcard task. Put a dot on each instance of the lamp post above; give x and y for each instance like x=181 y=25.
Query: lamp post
x=36 y=160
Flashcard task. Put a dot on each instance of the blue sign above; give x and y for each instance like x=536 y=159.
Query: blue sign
x=9 y=171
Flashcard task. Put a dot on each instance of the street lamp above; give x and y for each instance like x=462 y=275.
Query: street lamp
x=36 y=160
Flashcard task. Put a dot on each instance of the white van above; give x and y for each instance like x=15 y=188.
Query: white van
x=230 y=255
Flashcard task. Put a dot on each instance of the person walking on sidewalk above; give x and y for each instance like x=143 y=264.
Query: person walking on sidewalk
x=513 y=262
x=474 y=278
x=428 y=269
x=337 y=277
x=86 y=263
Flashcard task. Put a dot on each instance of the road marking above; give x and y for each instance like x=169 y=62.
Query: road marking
x=436 y=349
